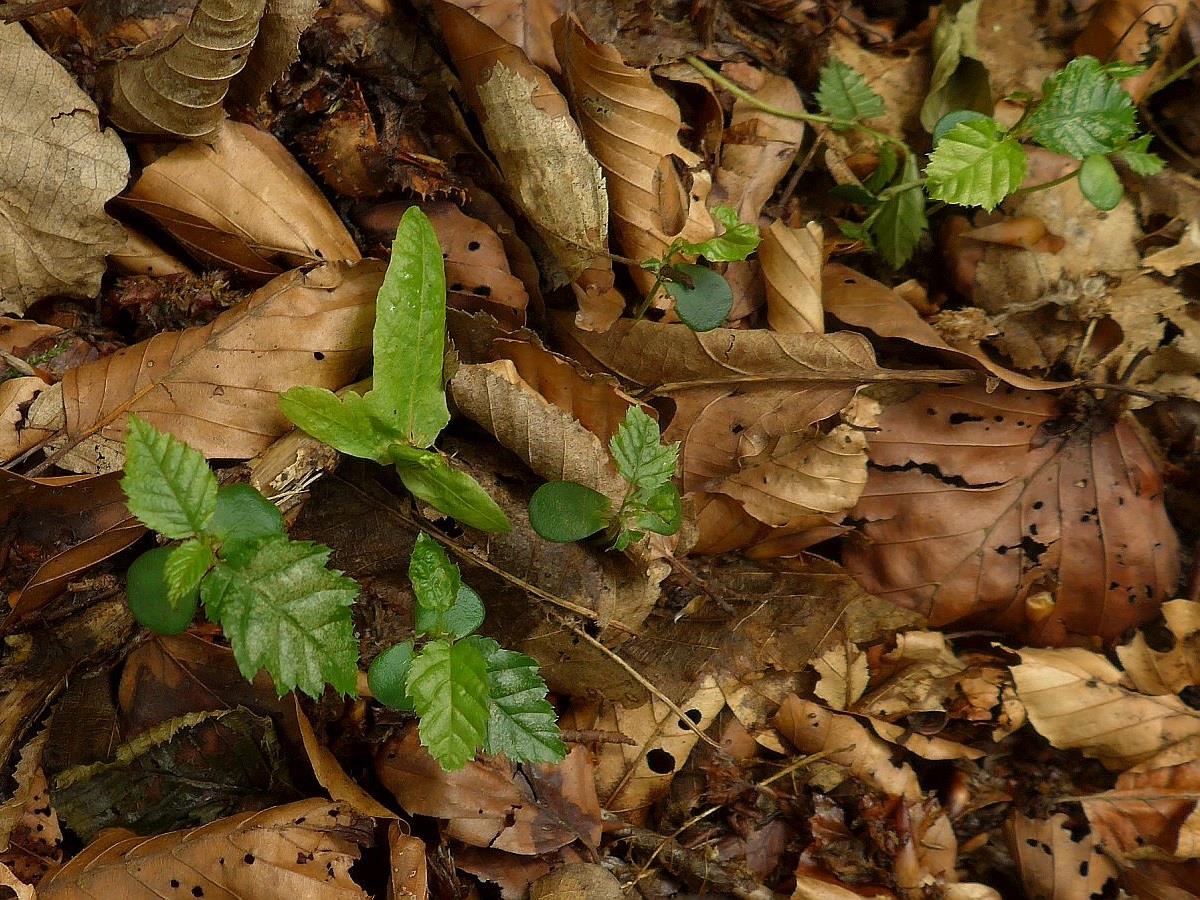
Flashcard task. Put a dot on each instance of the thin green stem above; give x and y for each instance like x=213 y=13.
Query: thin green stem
x=658 y=280
x=1172 y=78
x=1062 y=179
x=901 y=188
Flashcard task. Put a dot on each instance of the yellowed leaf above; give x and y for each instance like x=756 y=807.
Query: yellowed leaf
x=1167 y=671
x=792 y=260
x=844 y=674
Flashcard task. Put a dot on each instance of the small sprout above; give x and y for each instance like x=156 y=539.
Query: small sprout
x=146 y=590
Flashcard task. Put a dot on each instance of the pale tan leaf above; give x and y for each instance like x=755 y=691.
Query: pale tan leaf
x=141 y=256
x=25 y=775
x=330 y=774
x=15 y=395
x=299 y=850
x=60 y=169
x=919 y=675
x=1167 y=671
x=632 y=126
x=409 y=876
x=1052 y=863
x=1185 y=253
x=577 y=881
x=478 y=276
x=792 y=260
x=21 y=890
x=844 y=674
x=18 y=336
x=176 y=86
x=754 y=701
x=1077 y=700
x=275 y=48
x=243 y=202
x=1150 y=815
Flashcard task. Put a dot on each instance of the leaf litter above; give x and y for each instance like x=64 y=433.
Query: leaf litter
x=924 y=623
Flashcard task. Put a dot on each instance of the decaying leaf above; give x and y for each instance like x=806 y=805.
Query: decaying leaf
x=60 y=170
x=844 y=674
x=525 y=23
x=298 y=850
x=1134 y=31
x=139 y=255
x=332 y=776
x=275 y=48
x=792 y=260
x=1054 y=863
x=1150 y=815
x=15 y=396
x=918 y=675
x=996 y=508
x=1184 y=253
x=409 y=878
x=176 y=86
x=477 y=271
x=576 y=881
x=1168 y=671
x=25 y=774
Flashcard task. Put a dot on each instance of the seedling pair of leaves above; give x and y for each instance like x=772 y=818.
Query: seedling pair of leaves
x=703 y=298
x=1084 y=112
x=397 y=421
x=564 y=511
x=276 y=600
x=469 y=692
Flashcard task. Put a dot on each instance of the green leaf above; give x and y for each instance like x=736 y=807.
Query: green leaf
x=640 y=457
x=975 y=164
x=853 y=193
x=448 y=684
x=184 y=568
x=844 y=94
x=625 y=537
x=1084 y=111
x=410 y=335
x=884 y=171
x=459 y=620
x=521 y=722
x=146 y=592
x=435 y=579
x=285 y=612
x=453 y=493
x=950 y=119
x=736 y=242
x=1136 y=154
x=387 y=676
x=897 y=226
x=347 y=423
x=704 y=304
x=243 y=514
x=959 y=80
x=1099 y=182
x=660 y=511
x=168 y=485
x=856 y=232
x=563 y=511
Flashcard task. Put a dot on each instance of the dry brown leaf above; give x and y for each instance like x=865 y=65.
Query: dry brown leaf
x=1150 y=815
x=409 y=876
x=1053 y=863
x=176 y=86
x=303 y=849
x=632 y=126
x=242 y=203
x=208 y=385
x=1078 y=700
x=1134 y=31
x=18 y=336
x=792 y=260
x=490 y=803
x=844 y=674
x=1184 y=253
x=1168 y=671
x=477 y=271
x=60 y=169
x=141 y=256
x=978 y=506
x=512 y=874
x=919 y=675
x=16 y=394
x=20 y=889
x=25 y=775
x=275 y=48
x=525 y=23
x=547 y=167
x=577 y=881
x=330 y=774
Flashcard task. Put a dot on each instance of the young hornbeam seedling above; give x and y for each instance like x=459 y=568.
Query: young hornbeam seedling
x=468 y=691
x=279 y=605
x=702 y=296
x=564 y=511
x=400 y=417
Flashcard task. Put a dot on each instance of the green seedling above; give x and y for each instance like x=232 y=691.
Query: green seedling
x=397 y=421
x=564 y=511
x=276 y=600
x=469 y=692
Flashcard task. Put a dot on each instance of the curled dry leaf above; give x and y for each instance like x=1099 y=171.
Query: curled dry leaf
x=792 y=260
x=141 y=256
x=330 y=774
x=490 y=803
x=20 y=889
x=1150 y=815
x=16 y=394
x=242 y=203
x=1168 y=671
x=1185 y=253
x=176 y=86
x=302 y=849
x=996 y=508
x=275 y=48
x=1078 y=700
x=1053 y=863
x=29 y=778
x=61 y=170
x=919 y=675
x=632 y=126
x=525 y=23
x=409 y=875
x=208 y=385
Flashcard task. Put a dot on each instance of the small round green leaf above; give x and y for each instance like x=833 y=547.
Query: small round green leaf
x=564 y=511
x=950 y=119
x=146 y=591
x=387 y=675
x=1100 y=183
x=705 y=304
x=244 y=514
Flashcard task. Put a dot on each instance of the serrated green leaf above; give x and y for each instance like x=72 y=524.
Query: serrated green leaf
x=950 y=119
x=448 y=685
x=410 y=335
x=660 y=511
x=884 y=171
x=1099 y=182
x=844 y=94
x=975 y=164
x=1138 y=157
x=521 y=722
x=736 y=242
x=853 y=193
x=563 y=511
x=453 y=493
x=856 y=231
x=285 y=612
x=348 y=423
x=1083 y=111
x=388 y=674
x=897 y=226
x=184 y=568
x=704 y=302
x=435 y=579
x=641 y=459
x=959 y=80
x=168 y=485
